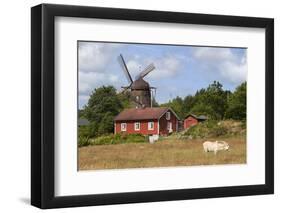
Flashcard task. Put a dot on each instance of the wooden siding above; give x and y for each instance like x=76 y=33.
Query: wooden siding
x=190 y=121
x=131 y=127
x=163 y=122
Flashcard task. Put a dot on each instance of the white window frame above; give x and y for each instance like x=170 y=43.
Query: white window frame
x=123 y=127
x=149 y=125
x=169 y=126
x=168 y=116
x=135 y=125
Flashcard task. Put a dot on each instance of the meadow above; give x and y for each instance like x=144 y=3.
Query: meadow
x=167 y=152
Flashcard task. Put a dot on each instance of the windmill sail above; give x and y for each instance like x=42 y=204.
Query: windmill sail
x=125 y=69
x=139 y=90
x=147 y=70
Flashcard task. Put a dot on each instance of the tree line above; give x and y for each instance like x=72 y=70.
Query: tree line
x=215 y=102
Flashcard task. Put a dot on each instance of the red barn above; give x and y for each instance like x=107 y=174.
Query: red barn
x=192 y=120
x=146 y=121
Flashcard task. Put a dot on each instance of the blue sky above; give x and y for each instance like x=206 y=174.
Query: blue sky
x=180 y=70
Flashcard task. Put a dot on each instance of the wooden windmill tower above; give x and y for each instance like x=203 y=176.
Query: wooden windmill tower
x=140 y=90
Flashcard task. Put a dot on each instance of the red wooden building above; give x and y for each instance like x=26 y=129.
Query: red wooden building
x=192 y=120
x=146 y=121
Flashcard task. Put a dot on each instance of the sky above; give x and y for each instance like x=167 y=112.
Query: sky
x=180 y=70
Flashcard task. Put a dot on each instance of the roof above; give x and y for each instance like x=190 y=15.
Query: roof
x=83 y=122
x=200 y=117
x=140 y=84
x=142 y=114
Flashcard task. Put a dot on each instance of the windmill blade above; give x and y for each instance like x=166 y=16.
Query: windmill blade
x=147 y=70
x=125 y=69
x=126 y=88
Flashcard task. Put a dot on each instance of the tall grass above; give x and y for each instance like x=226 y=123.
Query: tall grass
x=161 y=154
x=119 y=139
x=212 y=128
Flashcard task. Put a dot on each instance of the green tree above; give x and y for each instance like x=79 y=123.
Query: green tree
x=80 y=113
x=237 y=106
x=211 y=101
x=102 y=106
x=124 y=98
x=177 y=105
x=188 y=103
x=154 y=102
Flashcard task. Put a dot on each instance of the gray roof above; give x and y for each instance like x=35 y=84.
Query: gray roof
x=200 y=117
x=83 y=122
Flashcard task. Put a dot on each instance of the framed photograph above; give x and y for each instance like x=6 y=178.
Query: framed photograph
x=136 y=106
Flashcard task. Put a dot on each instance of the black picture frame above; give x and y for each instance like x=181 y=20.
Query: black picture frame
x=43 y=102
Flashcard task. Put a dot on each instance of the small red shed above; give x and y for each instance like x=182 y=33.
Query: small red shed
x=191 y=120
x=146 y=121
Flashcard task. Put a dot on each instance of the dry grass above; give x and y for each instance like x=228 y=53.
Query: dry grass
x=165 y=153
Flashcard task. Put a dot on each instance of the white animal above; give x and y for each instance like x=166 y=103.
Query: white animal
x=209 y=146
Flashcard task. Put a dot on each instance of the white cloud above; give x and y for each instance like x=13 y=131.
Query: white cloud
x=222 y=63
x=166 y=66
x=213 y=54
x=88 y=81
x=93 y=57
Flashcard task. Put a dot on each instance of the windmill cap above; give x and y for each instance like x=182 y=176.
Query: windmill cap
x=140 y=84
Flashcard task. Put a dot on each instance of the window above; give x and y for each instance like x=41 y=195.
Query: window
x=137 y=126
x=123 y=127
x=150 y=125
x=168 y=115
x=169 y=126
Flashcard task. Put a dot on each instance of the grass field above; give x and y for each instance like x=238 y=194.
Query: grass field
x=164 y=153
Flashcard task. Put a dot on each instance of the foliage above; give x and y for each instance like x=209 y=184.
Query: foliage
x=81 y=113
x=103 y=105
x=83 y=136
x=124 y=98
x=169 y=152
x=119 y=139
x=212 y=128
x=213 y=102
x=176 y=105
x=188 y=102
x=83 y=141
x=237 y=103
x=154 y=102
x=84 y=131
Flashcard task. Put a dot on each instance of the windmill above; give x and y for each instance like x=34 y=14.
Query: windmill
x=140 y=90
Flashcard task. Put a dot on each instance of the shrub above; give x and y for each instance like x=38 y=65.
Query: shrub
x=212 y=128
x=243 y=124
x=119 y=139
x=219 y=131
x=83 y=141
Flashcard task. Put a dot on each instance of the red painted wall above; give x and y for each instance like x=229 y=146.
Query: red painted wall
x=163 y=122
x=143 y=127
x=189 y=121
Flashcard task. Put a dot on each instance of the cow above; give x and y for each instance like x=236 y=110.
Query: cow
x=209 y=146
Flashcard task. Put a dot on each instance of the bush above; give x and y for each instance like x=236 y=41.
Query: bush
x=219 y=131
x=197 y=132
x=119 y=139
x=83 y=141
x=212 y=128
